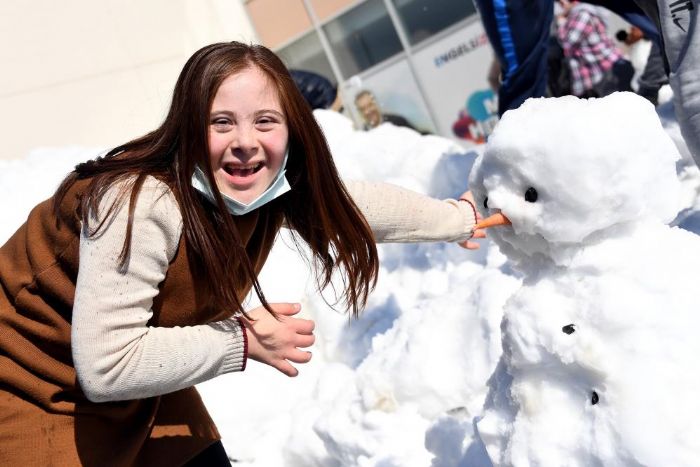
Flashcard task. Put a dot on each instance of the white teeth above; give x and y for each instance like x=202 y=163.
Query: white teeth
x=243 y=170
x=243 y=167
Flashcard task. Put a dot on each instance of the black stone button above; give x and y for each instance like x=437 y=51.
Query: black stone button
x=568 y=329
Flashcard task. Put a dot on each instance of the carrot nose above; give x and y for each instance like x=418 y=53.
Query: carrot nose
x=496 y=219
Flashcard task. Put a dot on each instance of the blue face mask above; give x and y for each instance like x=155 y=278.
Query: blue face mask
x=277 y=188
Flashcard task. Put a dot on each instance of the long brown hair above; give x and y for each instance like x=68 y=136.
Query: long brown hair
x=318 y=208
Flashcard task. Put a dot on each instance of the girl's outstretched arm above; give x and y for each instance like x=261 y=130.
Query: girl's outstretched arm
x=396 y=214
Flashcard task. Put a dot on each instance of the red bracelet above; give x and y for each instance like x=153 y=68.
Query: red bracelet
x=473 y=210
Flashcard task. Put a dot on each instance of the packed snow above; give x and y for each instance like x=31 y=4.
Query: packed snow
x=599 y=341
x=408 y=382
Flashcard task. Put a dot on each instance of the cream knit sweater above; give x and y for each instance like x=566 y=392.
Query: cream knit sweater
x=118 y=357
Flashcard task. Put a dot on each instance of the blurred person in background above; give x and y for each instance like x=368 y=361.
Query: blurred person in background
x=650 y=74
x=373 y=115
x=597 y=66
x=317 y=90
x=520 y=35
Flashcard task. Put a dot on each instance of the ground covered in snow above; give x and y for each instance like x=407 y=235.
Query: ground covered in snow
x=403 y=384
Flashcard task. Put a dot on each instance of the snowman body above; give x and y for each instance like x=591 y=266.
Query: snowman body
x=593 y=376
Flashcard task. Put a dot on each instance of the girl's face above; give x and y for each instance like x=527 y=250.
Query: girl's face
x=248 y=135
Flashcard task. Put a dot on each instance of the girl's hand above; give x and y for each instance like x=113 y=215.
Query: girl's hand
x=277 y=342
x=467 y=197
x=469 y=244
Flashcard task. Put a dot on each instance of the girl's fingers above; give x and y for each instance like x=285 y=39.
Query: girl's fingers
x=287 y=309
x=299 y=356
x=286 y=368
x=304 y=340
x=304 y=326
x=469 y=245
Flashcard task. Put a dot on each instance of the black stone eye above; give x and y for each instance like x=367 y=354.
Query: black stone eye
x=568 y=329
x=594 y=398
x=486 y=202
x=531 y=195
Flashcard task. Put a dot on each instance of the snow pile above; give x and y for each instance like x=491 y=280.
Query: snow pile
x=26 y=182
x=422 y=350
x=598 y=343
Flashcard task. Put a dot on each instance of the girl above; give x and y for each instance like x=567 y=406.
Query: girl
x=125 y=289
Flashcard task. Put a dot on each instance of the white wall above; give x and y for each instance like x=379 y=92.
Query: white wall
x=98 y=73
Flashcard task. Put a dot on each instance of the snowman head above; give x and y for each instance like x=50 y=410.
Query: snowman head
x=563 y=169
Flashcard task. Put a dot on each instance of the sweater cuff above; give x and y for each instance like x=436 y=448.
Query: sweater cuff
x=468 y=213
x=235 y=345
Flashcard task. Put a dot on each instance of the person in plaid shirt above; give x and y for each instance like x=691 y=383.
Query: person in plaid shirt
x=597 y=66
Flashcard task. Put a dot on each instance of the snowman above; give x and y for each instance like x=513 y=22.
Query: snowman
x=600 y=347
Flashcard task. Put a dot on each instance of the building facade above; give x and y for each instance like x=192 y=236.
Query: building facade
x=96 y=74
x=425 y=60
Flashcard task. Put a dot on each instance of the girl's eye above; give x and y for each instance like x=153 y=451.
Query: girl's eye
x=220 y=122
x=486 y=202
x=265 y=121
x=531 y=195
x=265 y=126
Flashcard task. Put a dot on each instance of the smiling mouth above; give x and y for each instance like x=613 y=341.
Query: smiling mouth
x=243 y=170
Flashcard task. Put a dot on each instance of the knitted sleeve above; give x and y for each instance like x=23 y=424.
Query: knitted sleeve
x=399 y=215
x=117 y=356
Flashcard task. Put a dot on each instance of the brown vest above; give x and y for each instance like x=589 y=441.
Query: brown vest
x=45 y=418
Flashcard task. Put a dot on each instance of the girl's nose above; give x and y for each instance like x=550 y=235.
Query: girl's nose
x=244 y=140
